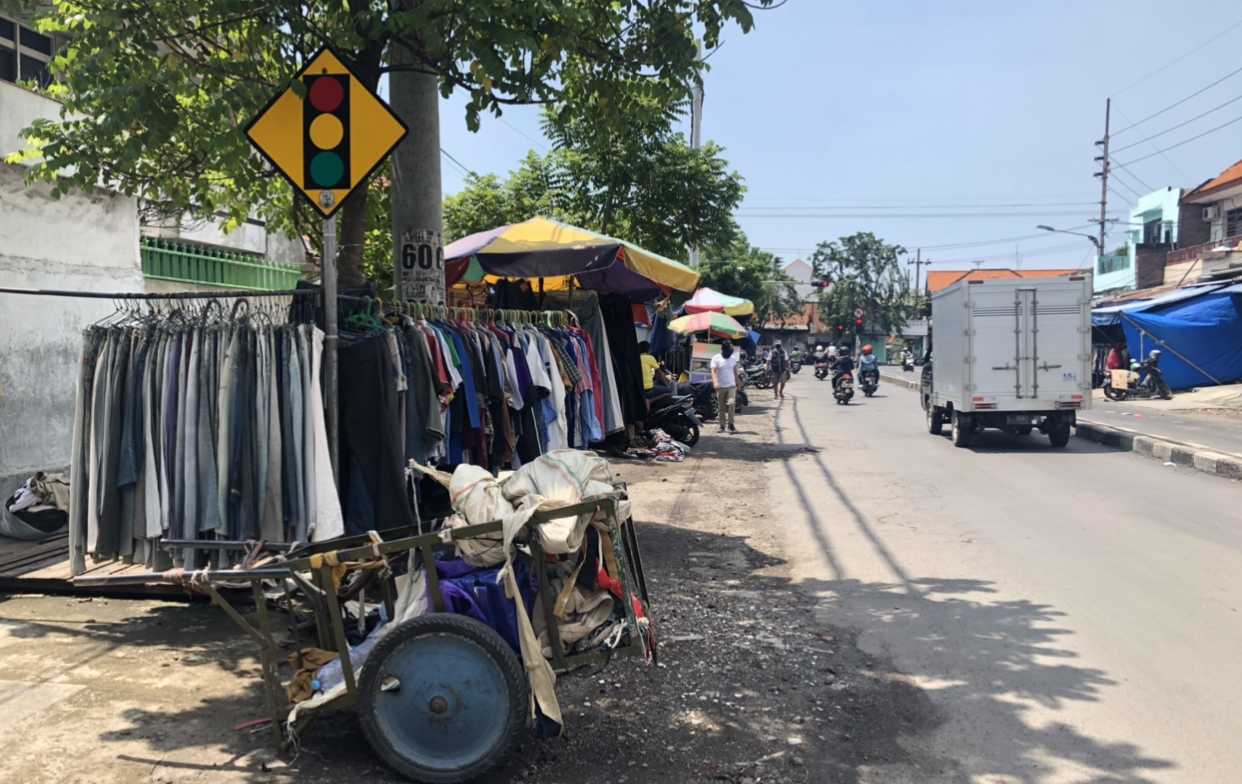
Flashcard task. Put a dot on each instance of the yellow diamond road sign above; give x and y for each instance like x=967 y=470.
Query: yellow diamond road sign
x=329 y=142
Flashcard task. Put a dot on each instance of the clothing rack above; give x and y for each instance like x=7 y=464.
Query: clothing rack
x=474 y=315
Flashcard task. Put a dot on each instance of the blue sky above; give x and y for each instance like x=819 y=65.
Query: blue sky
x=847 y=112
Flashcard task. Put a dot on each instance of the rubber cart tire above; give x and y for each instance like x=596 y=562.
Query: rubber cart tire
x=441 y=699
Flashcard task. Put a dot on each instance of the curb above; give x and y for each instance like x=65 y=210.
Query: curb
x=1196 y=456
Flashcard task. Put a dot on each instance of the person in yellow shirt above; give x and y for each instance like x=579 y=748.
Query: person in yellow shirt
x=653 y=373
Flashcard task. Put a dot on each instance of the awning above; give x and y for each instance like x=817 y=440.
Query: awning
x=548 y=249
x=1104 y=317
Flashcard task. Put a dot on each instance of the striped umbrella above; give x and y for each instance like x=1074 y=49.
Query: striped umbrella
x=717 y=324
x=709 y=300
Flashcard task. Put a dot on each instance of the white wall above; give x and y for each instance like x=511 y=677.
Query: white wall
x=80 y=242
x=19 y=108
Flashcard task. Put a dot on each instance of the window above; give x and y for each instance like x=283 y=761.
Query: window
x=1233 y=223
x=1152 y=233
x=8 y=51
x=24 y=54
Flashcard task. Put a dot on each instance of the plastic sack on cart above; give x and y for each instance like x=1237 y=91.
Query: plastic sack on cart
x=39 y=509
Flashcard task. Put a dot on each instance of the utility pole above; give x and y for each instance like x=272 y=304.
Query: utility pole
x=696 y=129
x=918 y=262
x=1103 y=173
x=417 y=195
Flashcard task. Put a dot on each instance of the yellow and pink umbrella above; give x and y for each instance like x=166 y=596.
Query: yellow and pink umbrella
x=717 y=324
x=707 y=300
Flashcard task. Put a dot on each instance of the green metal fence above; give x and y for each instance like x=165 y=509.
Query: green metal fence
x=164 y=260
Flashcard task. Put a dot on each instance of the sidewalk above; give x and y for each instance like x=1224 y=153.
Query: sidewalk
x=1202 y=429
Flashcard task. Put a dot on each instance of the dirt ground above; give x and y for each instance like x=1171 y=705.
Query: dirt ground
x=750 y=686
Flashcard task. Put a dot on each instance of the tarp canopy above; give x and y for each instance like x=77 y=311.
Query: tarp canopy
x=555 y=251
x=705 y=300
x=1104 y=317
x=1206 y=330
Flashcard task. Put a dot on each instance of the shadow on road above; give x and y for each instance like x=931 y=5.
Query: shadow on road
x=986 y=659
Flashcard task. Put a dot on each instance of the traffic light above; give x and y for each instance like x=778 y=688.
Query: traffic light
x=820 y=284
x=858 y=322
x=840 y=328
x=325 y=125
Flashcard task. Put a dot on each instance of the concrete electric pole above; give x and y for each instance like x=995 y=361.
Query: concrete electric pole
x=417 y=192
x=696 y=132
x=1103 y=174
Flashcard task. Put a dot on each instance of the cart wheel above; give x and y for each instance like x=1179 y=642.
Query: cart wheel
x=441 y=698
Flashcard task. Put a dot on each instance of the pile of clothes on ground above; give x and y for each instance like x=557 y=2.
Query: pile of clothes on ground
x=655 y=445
x=38 y=510
x=492 y=579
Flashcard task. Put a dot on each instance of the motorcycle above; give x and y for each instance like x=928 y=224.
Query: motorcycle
x=706 y=406
x=758 y=376
x=821 y=369
x=907 y=364
x=870 y=381
x=1152 y=385
x=795 y=365
x=844 y=389
x=675 y=416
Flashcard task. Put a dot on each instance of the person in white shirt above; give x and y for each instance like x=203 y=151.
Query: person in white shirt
x=724 y=378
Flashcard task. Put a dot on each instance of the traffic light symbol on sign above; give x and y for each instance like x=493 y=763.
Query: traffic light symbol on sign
x=325 y=124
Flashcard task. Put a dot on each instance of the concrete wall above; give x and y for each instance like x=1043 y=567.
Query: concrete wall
x=1192 y=229
x=80 y=242
x=19 y=108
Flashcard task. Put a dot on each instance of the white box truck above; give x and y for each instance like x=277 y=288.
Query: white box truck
x=1012 y=354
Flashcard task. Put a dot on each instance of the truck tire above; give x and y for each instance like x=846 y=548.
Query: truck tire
x=1059 y=436
x=962 y=432
x=935 y=421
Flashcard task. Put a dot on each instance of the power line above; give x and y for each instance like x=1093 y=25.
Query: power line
x=1119 y=196
x=936 y=206
x=1123 y=183
x=1185 y=141
x=913 y=215
x=1219 y=35
x=1132 y=174
x=519 y=130
x=1172 y=162
x=1179 y=103
x=1001 y=241
x=1179 y=125
x=465 y=171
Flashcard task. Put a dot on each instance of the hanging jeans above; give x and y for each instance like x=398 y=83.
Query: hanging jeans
x=368 y=406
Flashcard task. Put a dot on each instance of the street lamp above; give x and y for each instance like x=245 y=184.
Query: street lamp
x=1094 y=241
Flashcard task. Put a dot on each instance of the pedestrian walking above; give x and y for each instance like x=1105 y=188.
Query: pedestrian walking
x=724 y=378
x=778 y=370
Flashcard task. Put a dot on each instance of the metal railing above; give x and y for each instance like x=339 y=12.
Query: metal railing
x=1196 y=251
x=185 y=263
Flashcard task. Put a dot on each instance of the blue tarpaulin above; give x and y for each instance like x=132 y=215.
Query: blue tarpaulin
x=1105 y=317
x=1205 y=329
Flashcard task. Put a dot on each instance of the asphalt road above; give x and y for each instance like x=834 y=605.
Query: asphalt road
x=1072 y=615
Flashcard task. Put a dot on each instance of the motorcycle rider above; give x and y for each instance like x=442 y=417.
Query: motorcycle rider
x=843 y=364
x=796 y=355
x=778 y=369
x=907 y=357
x=868 y=363
x=652 y=372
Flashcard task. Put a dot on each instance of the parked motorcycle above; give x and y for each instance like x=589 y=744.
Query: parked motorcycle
x=675 y=416
x=757 y=375
x=844 y=389
x=706 y=407
x=1150 y=385
x=870 y=380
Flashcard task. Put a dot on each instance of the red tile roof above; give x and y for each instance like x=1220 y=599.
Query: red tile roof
x=1227 y=179
x=941 y=279
x=796 y=320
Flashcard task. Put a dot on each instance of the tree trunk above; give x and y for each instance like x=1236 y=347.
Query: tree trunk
x=350 y=237
x=417 y=193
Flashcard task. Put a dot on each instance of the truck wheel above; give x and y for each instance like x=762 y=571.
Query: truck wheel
x=935 y=422
x=1059 y=435
x=962 y=431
